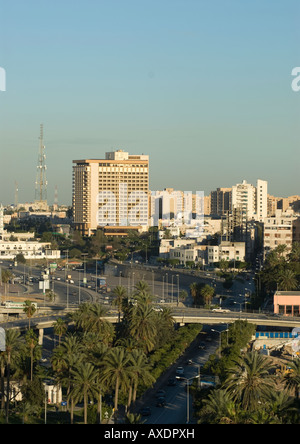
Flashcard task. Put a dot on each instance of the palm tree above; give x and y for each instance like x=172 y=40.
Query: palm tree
x=12 y=346
x=91 y=317
x=194 y=290
x=207 y=292
x=29 y=309
x=6 y=276
x=281 y=405
x=142 y=293
x=294 y=255
x=219 y=408
x=120 y=293
x=143 y=326
x=140 y=372
x=60 y=328
x=287 y=280
x=34 y=349
x=134 y=418
x=84 y=384
x=249 y=380
x=64 y=359
x=116 y=370
x=292 y=378
x=142 y=286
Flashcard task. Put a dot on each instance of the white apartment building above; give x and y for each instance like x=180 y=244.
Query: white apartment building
x=250 y=200
x=207 y=254
x=228 y=251
x=278 y=230
x=111 y=192
x=30 y=248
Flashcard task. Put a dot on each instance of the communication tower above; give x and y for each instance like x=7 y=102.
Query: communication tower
x=41 y=181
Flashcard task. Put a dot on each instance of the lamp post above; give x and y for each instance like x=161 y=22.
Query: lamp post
x=187 y=380
x=220 y=339
x=240 y=304
x=67 y=280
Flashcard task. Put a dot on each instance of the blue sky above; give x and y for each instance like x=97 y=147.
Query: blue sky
x=202 y=86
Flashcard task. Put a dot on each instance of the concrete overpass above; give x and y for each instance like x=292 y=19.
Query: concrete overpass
x=181 y=316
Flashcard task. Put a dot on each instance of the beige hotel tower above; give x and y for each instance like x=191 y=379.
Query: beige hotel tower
x=111 y=193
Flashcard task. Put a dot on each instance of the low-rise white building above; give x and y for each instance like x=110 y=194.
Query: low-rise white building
x=208 y=254
x=12 y=244
x=29 y=249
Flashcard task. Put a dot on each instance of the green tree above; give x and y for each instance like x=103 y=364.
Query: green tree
x=143 y=326
x=140 y=372
x=84 y=384
x=12 y=349
x=287 y=280
x=116 y=371
x=29 y=309
x=120 y=294
x=207 y=292
x=292 y=378
x=219 y=408
x=249 y=381
x=60 y=328
x=33 y=348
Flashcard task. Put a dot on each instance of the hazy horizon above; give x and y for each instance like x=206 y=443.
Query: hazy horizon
x=203 y=88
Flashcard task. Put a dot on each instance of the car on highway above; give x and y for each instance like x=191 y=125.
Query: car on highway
x=160 y=394
x=171 y=382
x=161 y=402
x=180 y=371
x=221 y=310
x=146 y=411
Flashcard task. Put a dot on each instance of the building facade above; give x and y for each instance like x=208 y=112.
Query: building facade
x=287 y=303
x=278 y=230
x=250 y=200
x=111 y=192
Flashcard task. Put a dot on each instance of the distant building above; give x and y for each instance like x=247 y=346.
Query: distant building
x=12 y=244
x=220 y=201
x=278 y=230
x=251 y=200
x=111 y=192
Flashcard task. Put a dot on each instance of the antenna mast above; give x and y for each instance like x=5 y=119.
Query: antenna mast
x=41 y=182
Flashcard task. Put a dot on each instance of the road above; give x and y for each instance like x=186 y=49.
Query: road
x=175 y=411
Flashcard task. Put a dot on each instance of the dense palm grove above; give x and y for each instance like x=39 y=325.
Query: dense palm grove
x=94 y=360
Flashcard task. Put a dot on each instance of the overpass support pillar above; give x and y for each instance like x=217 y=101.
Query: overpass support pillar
x=41 y=336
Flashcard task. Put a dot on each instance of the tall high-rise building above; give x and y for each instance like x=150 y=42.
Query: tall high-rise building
x=111 y=192
x=251 y=201
x=220 y=201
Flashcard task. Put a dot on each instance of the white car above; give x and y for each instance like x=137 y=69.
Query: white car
x=221 y=310
x=179 y=371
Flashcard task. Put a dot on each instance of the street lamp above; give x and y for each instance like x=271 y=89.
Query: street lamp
x=177 y=275
x=67 y=280
x=187 y=380
x=240 y=304
x=220 y=339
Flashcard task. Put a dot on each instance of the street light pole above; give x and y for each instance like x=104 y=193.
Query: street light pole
x=187 y=380
x=220 y=339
